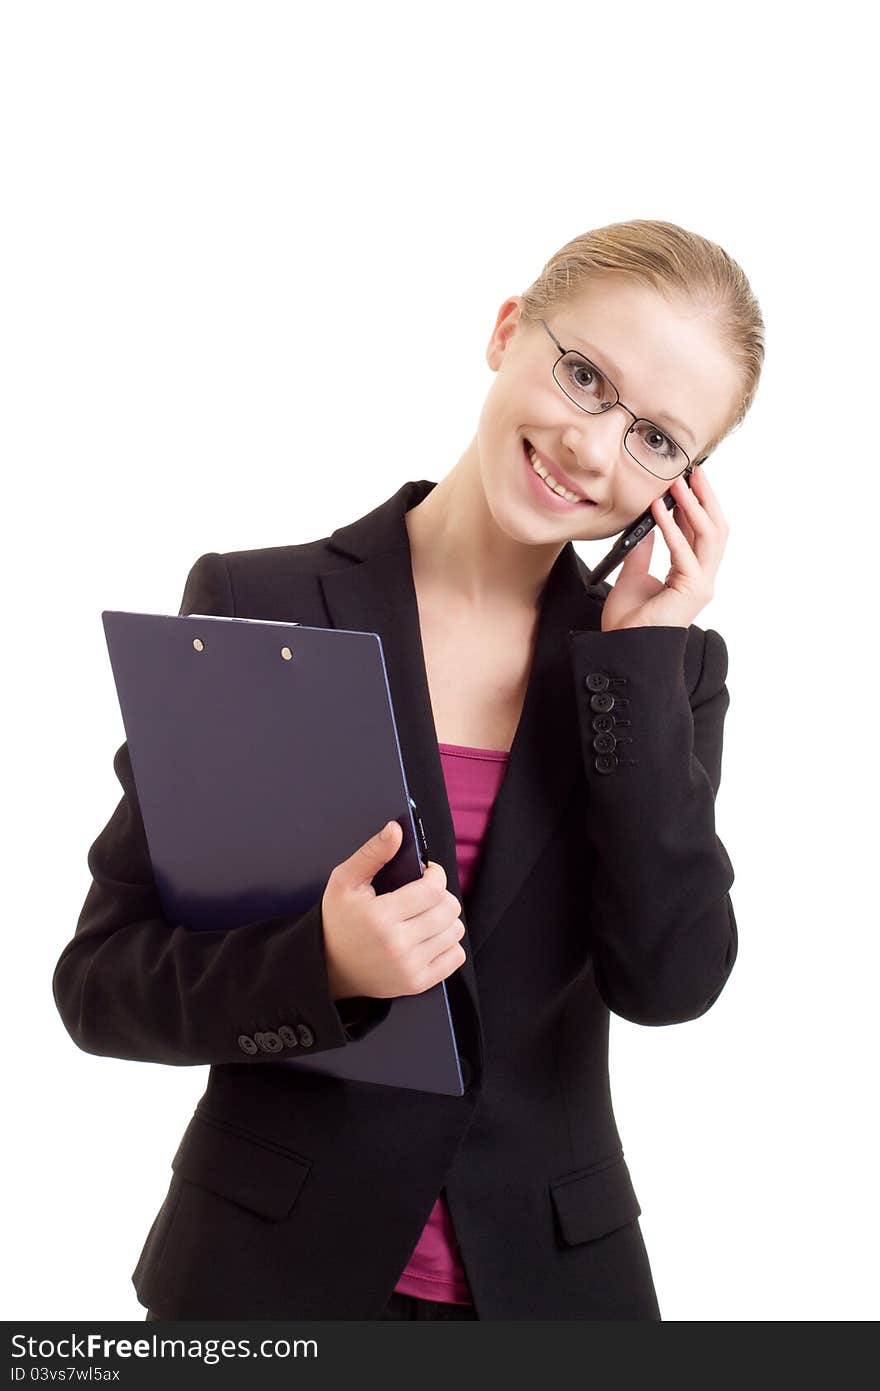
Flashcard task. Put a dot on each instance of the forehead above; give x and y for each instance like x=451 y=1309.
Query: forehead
x=663 y=354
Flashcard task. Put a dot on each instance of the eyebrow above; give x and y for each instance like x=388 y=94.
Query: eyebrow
x=661 y=415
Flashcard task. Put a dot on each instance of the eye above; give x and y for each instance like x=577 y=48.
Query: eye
x=653 y=439
x=585 y=380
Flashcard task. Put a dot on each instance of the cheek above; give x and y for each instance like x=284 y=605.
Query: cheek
x=631 y=502
x=644 y=495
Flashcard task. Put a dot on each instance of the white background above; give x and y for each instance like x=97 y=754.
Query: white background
x=216 y=214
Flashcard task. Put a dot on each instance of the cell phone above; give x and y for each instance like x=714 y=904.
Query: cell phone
x=635 y=532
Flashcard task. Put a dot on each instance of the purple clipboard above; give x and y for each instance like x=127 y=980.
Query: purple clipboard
x=264 y=754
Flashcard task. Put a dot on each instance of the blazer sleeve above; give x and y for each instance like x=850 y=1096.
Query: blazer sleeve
x=663 y=931
x=130 y=984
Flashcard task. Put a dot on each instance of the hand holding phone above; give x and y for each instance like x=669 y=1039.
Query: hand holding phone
x=634 y=533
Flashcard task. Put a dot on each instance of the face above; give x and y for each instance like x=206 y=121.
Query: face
x=665 y=360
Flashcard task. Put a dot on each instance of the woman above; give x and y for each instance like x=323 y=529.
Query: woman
x=563 y=743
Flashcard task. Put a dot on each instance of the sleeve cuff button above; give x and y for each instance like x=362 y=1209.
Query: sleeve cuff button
x=605 y=762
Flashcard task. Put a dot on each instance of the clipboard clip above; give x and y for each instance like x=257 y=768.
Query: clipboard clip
x=423 y=843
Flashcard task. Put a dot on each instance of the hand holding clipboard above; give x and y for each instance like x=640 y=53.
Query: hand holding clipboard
x=392 y=944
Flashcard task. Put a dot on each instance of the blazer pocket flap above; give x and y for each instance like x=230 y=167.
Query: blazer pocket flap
x=592 y=1202
x=258 y=1175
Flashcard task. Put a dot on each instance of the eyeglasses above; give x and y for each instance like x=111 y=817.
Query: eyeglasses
x=590 y=390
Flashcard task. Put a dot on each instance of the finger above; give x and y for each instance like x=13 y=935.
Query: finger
x=692 y=507
x=712 y=509
x=709 y=538
x=704 y=491
x=683 y=525
x=681 y=552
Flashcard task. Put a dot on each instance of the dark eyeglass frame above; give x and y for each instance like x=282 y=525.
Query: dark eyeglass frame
x=563 y=352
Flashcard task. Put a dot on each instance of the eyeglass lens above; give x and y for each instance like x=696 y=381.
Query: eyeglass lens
x=650 y=446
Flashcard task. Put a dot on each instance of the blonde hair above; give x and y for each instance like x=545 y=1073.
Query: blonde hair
x=672 y=261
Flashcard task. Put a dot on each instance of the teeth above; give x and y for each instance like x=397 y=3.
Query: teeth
x=550 y=480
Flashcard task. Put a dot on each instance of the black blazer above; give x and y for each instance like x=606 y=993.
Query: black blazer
x=602 y=886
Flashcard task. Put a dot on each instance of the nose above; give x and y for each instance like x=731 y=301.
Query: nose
x=596 y=444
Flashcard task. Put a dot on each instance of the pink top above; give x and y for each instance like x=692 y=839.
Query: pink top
x=473 y=777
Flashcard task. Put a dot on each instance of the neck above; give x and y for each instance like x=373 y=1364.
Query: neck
x=458 y=547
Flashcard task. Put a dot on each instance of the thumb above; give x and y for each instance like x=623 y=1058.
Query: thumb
x=369 y=858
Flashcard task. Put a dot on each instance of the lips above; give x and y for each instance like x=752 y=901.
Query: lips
x=560 y=477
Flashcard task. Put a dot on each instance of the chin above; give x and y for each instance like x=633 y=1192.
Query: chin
x=529 y=530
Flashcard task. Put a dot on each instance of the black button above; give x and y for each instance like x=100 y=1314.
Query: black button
x=603 y=701
x=305 y=1035
x=596 y=681
x=603 y=722
x=269 y=1041
x=287 y=1036
x=605 y=762
x=246 y=1044
x=604 y=743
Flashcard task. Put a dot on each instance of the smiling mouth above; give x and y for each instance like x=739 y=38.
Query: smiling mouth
x=551 y=483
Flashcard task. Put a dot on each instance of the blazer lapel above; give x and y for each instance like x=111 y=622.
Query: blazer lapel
x=378 y=595
x=545 y=757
